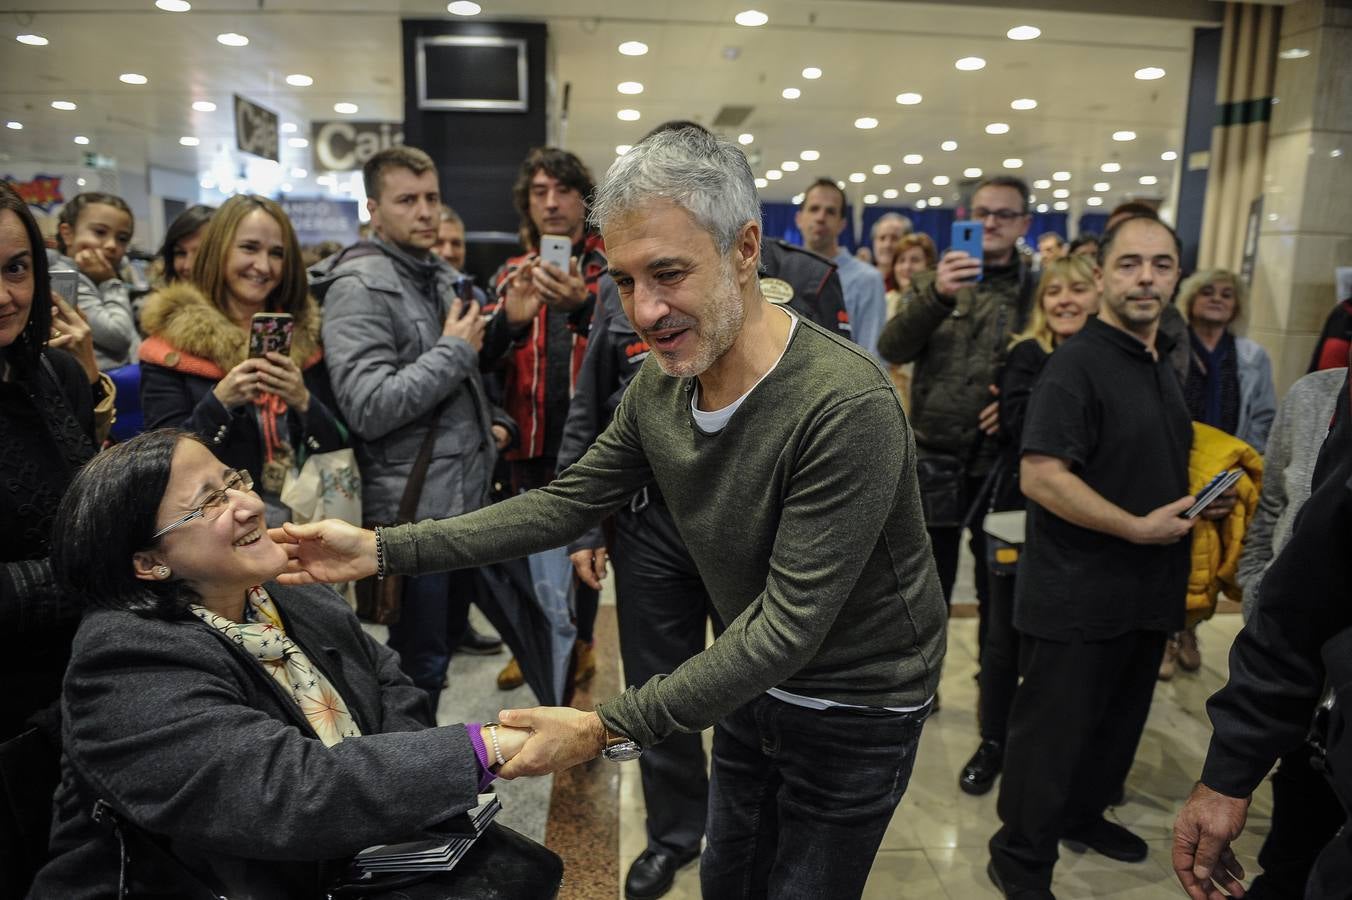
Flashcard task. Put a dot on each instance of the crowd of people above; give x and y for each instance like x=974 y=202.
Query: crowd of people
x=786 y=443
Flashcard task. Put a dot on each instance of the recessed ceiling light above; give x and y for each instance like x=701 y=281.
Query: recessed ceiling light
x=1124 y=135
x=1042 y=184
x=745 y=138
x=629 y=87
x=789 y=165
x=798 y=198
x=1060 y=176
x=1102 y=186
x=1042 y=207
x=882 y=169
x=1060 y=193
x=289 y=128
x=751 y=18
x=81 y=182
x=345 y=108
x=628 y=115
x=865 y=122
x=1023 y=103
x=622 y=149
x=232 y=39
x=774 y=174
x=132 y=78
x=1060 y=206
x=1294 y=53
x=939 y=180
x=463 y=8
x=762 y=183
x=812 y=73
x=858 y=177
x=1149 y=73
x=948 y=146
x=997 y=128
x=790 y=93
x=81 y=139
x=1023 y=32
x=66 y=105
x=1110 y=167
x=910 y=98
x=298 y=173
x=1149 y=179
x=299 y=80
x=174 y=5
x=890 y=194
x=870 y=198
x=633 y=48
x=298 y=143
x=913 y=187
x=1013 y=163
x=810 y=155
x=970 y=64
x=32 y=40
x=1094 y=201
x=913 y=159
x=936 y=201
x=204 y=106
x=189 y=141
x=14 y=126
x=920 y=204
x=973 y=172
x=1168 y=156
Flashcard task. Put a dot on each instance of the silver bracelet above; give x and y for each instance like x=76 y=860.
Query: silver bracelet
x=497 y=749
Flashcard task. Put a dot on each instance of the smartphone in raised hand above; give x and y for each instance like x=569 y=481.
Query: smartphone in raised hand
x=555 y=249
x=270 y=332
x=968 y=237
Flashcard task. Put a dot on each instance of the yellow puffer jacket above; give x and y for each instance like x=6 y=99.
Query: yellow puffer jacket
x=1216 y=545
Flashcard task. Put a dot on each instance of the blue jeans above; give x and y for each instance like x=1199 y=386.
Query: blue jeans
x=799 y=799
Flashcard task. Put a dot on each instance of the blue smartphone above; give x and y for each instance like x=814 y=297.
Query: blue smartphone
x=968 y=237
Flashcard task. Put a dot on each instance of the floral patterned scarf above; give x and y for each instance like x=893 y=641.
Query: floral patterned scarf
x=263 y=638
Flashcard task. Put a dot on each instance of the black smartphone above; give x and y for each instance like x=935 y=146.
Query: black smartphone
x=1214 y=488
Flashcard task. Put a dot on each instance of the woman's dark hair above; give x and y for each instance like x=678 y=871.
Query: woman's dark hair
x=27 y=348
x=70 y=213
x=185 y=226
x=108 y=514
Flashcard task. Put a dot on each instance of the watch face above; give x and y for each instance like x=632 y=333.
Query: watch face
x=623 y=751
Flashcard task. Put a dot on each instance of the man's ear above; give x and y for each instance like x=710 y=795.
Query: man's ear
x=371 y=209
x=144 y=563
x=747 y=249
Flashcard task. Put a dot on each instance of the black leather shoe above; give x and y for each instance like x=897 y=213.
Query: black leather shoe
x=1016 y=893
x=651 y=875
x=479 y=644
x=982 y=769
x=1107 y=838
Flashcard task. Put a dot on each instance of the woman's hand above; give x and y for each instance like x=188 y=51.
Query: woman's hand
x=240 y=385
x=95 y=265
x=278 y=374
x=331 y=551
x=510 y=742
x=71 y=332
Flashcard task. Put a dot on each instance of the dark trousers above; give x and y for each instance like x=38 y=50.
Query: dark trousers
x=432 y=620
x=999 y=660
x=1305 y=816
x=527 y=475
x=799 y=799
x=663 y=609
x=945 y=543
x=1073 y=730
x=1332 y=871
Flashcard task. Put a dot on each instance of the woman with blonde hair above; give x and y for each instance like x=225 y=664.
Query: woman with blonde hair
x=260 y=413
x=1066 y=296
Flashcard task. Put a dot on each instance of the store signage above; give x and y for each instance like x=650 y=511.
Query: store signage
x=346 y=146
x=40 y=191
x=256 y=130
x=319 y=220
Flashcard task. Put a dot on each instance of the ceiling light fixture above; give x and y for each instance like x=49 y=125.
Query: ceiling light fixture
x=865 y=122
x=997 y=128
x=345 y=108
x=920 y=204
x=858 y=177
x=463 y=8
x=204 y=106
x=633 y=48
x=14 y=126
x=629 y=87
x=870 y=198
x=1294 y=53
x=189 y=141
x=812 y=73
x=1023 y=33
x=1124 y=135
x=939 y=180
x=174 y=5
x=913 y=159
x=774 y=174
x=790 y=93
x=1094 y=201
x=132 y=78
x=66 y=105
x=913 y=187
x=1060 y=206
x=1102 y=186
x=1060 y=193
x=890 y=194
x=936 y=201
x=948 y=146
x=1013 y=163
x=882 y=169
x=1168 y=156
x=1042 y=207
x=762 y=183
x=298 y=143
x=1042 y=184
x=789 y=165
x=1148 y=180
x=299 y=80
x=32 y=40
x=797 y=199
x=1149 y=73
x=751 y=18
x=232 y=39
x=745 y=138
x=628 y=115
x=1023 y=103
x=810 y=155
x=1060 y=176
x=1110 y=167
x=910 y=98
x=973 y=172
x=970 y=64
x=81 y=140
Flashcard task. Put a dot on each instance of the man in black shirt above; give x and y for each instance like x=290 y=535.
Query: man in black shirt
x=1104 y=573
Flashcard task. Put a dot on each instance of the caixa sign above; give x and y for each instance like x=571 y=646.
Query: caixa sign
x=346 y=146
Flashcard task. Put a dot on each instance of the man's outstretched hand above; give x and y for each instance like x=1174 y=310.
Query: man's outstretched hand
x=331 y=551
x=1203 y=860
x=562 y=738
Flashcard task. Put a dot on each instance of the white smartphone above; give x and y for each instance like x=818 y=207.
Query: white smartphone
x=555 y=250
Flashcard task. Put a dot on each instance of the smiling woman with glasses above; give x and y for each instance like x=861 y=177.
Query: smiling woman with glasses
x=253 y=733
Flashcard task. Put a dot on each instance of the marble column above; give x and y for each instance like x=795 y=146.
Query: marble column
x=1306 y=226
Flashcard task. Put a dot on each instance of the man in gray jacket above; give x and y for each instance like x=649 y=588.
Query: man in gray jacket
x=403 y=352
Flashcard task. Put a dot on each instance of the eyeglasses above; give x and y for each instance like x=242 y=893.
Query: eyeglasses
x=980 y=214
x=235 y=480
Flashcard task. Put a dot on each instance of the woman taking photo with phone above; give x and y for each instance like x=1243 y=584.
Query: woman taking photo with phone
x=264 y=410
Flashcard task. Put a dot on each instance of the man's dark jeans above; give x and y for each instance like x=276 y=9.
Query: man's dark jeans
x=799 y=799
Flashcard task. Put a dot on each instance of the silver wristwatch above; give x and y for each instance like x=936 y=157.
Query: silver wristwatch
x=620 y=748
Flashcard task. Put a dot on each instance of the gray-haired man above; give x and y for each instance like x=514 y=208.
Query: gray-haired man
x=786 y=462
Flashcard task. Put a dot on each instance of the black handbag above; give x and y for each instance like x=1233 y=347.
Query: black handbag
x=941 y=479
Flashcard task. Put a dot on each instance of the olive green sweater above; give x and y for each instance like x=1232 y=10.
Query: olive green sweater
x=802 y=515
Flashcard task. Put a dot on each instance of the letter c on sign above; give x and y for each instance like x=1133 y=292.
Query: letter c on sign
x=330 y=156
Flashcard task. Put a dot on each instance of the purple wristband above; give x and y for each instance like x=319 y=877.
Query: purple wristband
x=476 y=740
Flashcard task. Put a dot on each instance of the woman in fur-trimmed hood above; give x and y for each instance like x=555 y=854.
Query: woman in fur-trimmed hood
x=263 y=414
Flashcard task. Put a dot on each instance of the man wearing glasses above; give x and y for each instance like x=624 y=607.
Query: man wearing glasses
x=956 y=330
